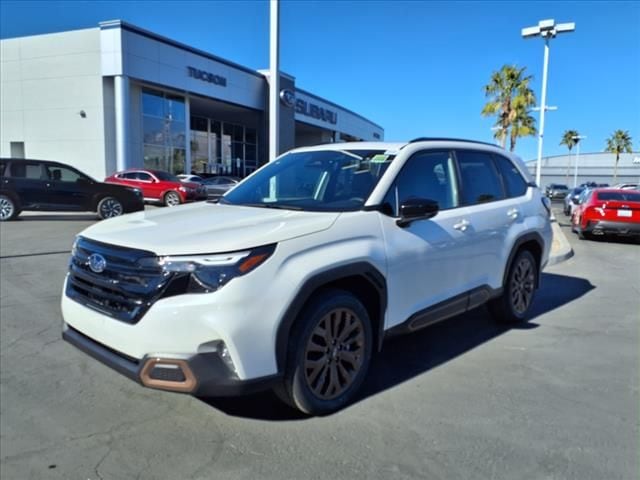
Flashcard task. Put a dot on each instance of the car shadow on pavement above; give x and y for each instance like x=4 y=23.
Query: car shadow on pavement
x=405 y=357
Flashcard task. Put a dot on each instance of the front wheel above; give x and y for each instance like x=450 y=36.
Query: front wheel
x=109 y=207
x=8 y=208
x=171 y=199
x=518 y=291
x=329 y=354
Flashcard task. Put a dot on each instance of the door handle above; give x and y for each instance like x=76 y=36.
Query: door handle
x=462 y=225
x=513 y=213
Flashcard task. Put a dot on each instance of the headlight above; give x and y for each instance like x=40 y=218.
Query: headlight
x=182 y=189
x=207 y=273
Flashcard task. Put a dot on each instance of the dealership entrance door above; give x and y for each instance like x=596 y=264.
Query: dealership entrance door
x=223 y=139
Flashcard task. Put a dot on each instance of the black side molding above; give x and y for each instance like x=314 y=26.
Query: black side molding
x=444 y=310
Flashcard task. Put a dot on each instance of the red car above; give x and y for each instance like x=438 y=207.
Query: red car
x=159 y=187
x=608 y=211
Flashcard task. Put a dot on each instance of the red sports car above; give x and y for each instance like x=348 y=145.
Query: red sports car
x=608 y=211
x=159 y=187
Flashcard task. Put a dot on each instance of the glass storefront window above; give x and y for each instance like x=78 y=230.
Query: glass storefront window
x=153 y=130
x=154 y=157
x=152 y=104
x=164 y=131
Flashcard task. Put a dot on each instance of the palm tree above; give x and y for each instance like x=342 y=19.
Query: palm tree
x=509 y=99
x=619 y=142
x=570 y=139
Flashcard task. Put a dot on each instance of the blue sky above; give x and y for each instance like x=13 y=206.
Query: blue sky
x=416 y=68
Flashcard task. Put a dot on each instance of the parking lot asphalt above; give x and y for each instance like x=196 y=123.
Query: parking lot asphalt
x=555 y=398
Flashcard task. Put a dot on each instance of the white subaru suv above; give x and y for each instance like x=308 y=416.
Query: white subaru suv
x=295 y=278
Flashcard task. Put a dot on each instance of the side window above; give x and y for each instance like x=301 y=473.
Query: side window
x=128 y=176
x=480 y=182
x=28 y=170
x=516 y=186
x=144 y=177
x=61 y=174
x=427 y=174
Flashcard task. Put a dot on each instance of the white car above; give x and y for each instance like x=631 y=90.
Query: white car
x=297 y=276
x=184 y=177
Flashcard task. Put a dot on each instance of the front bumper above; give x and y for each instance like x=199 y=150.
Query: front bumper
x=604 y=227
x=202 y=374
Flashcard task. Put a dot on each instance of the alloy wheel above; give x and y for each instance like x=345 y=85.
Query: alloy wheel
x=110 y=208
x=522 y=285
x=172 y=199
x=334 y=353
x=6 y=208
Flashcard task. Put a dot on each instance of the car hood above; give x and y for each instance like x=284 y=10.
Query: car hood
x=207 y=228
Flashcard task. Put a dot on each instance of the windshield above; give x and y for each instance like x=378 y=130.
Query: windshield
x=328 y=181
x=166 y=177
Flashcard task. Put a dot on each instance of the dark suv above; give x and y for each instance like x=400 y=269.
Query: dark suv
x=52 y=186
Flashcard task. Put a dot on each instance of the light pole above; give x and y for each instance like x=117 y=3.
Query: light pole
x=575 y=171
x=546 y=29
x=274 y=80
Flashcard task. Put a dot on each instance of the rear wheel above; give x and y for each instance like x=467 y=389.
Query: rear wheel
x=518 y=291
x=329 y=354
x=109 y=207
x=171 y=199
x=8 y=208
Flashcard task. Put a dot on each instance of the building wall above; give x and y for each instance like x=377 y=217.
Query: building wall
x=46 y=81
x=592 y=167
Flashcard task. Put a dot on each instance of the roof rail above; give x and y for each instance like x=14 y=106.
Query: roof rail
x=444 y=139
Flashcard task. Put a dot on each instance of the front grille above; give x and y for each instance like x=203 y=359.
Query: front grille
x=130 y=283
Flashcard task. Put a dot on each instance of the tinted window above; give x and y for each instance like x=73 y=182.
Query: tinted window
x=128 y=175
x=145 y=177
x=62 y=174
x=623 y=196
x=32 y=171
x=480 y=182
x=428 y=175
x=515 y=184
x=166 y=177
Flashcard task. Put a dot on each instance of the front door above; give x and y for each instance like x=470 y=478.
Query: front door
x=427 y=260
x=68 y=189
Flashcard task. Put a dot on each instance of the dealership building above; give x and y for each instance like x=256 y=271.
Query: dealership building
x=117 y=96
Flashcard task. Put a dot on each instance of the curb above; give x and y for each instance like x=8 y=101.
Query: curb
x=560 y=248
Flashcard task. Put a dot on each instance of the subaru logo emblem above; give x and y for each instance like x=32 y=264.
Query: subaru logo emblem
x=97 y=263
x=288 y=98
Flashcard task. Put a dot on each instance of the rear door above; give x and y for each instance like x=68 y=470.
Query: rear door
x=28 y=180
x=494 y=218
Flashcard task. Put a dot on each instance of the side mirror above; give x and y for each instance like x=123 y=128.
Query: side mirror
x=575 y=201
x=416 y=209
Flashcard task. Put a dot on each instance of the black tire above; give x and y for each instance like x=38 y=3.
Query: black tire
x=518 y=290
x=109 y=207
x=171 y=199
x=9 y=208
x=324 y=372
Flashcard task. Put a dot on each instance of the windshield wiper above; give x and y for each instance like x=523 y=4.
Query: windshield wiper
x=269 y=205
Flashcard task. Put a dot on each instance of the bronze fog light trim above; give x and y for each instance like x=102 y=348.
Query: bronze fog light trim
x=188 y=385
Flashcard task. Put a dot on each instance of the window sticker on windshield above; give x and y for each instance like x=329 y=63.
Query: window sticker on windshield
x=380 y=158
